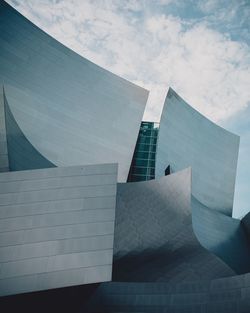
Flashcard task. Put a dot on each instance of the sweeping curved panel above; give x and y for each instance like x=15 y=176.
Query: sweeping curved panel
x=21 y=154
x=223 y=235
x=71 y=110
x=154 y=238
x=187 y=138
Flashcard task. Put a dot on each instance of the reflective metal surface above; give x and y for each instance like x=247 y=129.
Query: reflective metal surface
x=56 y=227
x=154 y=238
x=70 y=110
x=187 y=138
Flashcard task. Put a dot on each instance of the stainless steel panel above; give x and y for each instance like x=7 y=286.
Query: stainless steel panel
x=187 y=138
x=56 y=98
x=56 y=227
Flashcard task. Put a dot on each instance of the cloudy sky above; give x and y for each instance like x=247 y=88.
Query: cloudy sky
x=201 y=48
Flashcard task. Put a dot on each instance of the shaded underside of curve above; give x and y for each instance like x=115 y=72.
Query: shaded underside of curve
x=4 y=161
x=154 y=239
x=224 y=236
x=21 y=153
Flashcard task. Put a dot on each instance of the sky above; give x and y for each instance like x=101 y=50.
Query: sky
x=201 y=48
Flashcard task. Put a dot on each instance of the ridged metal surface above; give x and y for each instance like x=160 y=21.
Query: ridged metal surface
x=56 y=227
x=154 y=238
x=70 y=110
x=187 y=138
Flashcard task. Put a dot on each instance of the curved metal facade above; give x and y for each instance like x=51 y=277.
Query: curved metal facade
x=56 y=227
x=71 y=110
x=21 y=154
x=223 y=235
x=187 y=138
x=154 y=238
x=4 y=160
x=64 y=226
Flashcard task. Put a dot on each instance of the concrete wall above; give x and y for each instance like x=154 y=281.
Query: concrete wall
x=70 y=110
x=187 y=138
x=56 y=227
x=154 y=238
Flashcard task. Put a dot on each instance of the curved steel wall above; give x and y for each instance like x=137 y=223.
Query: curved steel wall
x=56 y=227
x=4 y=161
x=154 y=238
x=187 y=138
x=222 y=235
x=71 y=110
x=21 y=154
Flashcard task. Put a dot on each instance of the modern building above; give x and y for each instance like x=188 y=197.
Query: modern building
x=143 y=163
x=56 y=96
x=187 y=138
x=75 y=236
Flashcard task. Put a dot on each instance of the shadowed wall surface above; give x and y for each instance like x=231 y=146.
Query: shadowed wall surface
x=246 y=225
x=71 y=110
x=4 y=161
x=224 y=295
x=21 y=154
x=56 y=227
x=154 y=238
x=186 y=138
x=223 y=235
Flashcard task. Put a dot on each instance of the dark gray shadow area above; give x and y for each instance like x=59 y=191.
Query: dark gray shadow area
x=21 y=153
x=224 y=236
x=63 y=300
x=154 y=239
x=224 y=295
x=245 y=222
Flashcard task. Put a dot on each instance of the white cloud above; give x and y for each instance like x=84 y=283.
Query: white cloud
x=206 y=67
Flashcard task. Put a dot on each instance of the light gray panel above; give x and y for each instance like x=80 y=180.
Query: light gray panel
x=57 y=279
x=53 y=221
x=61 y=246
x=187 y=138
x=55 y=263
x=56 y=206
x=57 y=232
x=73 y=181
x=60 y=172
x=49 y=86
x=56 y=194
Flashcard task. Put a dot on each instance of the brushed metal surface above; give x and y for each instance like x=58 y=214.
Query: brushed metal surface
x=56 y=227
x=70 y=110
x=187 y=138
x=154 y=238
